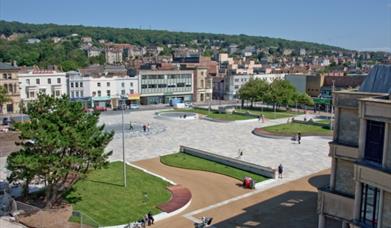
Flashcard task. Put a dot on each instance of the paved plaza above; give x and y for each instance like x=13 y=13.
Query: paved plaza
x=220 y=138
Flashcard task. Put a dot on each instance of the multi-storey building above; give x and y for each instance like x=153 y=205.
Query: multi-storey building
x=106 y=86
x=49 y=82
x=160 y=86
x=9 y=80
x=233 y=83
x=359 y=194
x=113 y=55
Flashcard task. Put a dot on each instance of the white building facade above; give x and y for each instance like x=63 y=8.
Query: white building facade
x=48 y=82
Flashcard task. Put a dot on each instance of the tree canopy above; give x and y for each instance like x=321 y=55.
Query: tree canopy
x=60 y=144
x=279 y=92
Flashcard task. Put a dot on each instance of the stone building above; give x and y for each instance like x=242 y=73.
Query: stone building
x=9 y=80
x=359 y=194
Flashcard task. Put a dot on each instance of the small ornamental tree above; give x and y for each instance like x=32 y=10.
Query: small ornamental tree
x=59 y=145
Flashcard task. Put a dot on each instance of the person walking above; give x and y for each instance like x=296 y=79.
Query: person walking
x=130 y=126
x=148 y=127
x=299 y=137
x=280 y=171
x=145 y=128
x=151 y=220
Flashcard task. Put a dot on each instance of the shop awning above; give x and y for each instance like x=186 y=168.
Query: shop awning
x=134 y=96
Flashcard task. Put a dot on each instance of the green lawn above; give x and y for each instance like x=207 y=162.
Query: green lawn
x=292 y=129
x=186 y=161
x=268 y=113
x=215 y=115
x=102 y=195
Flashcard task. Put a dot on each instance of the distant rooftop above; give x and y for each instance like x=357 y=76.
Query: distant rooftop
x=6 y=66
x=378 y=80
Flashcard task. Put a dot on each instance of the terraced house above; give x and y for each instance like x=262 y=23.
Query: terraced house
x=359 y=194
x=9 y=80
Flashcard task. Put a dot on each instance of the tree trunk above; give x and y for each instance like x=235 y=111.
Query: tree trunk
x=242 y=103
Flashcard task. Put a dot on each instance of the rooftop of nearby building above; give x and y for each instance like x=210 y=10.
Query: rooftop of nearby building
x=378 y=80
x=6 y=66
x=344 y=81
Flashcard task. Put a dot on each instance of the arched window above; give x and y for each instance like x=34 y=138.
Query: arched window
x=10 y=88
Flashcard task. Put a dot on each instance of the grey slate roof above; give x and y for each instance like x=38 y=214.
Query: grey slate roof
x=6 y=66
x=378 y=80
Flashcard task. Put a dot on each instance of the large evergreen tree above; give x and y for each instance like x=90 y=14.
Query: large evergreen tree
x=59 y=145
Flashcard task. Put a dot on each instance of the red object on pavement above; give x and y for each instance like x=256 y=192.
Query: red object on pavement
x=247 y=182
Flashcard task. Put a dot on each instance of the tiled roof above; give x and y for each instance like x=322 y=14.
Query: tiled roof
x=344 y=81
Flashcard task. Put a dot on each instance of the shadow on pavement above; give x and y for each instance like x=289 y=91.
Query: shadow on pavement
x=290 y=209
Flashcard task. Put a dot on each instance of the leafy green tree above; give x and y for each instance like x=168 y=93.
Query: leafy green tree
x=281 y=92
x=3 y=97
x=59 y=145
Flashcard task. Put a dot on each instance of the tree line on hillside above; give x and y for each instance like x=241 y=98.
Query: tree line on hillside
x=150 y=37
x=278 y=92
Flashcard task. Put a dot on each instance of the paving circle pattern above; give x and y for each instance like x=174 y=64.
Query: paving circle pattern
x=137 y=129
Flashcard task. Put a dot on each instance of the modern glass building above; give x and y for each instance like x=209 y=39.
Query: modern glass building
x=161 y=86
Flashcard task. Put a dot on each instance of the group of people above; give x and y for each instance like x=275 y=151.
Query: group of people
x=184 y=116
x=147 y=220
x=146 y=127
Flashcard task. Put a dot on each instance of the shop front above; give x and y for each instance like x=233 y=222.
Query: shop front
x=101 y=102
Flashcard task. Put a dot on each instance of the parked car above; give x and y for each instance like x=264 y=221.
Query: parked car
x=100 y=108
x=134 y=106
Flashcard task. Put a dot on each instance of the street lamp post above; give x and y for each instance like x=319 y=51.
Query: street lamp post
x=332 y=107
x=123 y=140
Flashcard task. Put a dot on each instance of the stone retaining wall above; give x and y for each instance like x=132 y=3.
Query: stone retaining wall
x=257 y=169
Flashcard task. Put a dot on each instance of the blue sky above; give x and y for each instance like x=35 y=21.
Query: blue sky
x=353 y=24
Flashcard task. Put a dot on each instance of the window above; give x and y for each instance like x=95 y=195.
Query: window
x=374 y=141
x=108 y=84
x=43 y=91
x=99 y=93
x=162 y=86
x=369 y=205
x=28 y=81
x=71 y=84
x=76 y=84
x=94 y=94
x=72 y=94
x=123 y=84
x=237 y=80
x=236 y=87
x=81 y=93
x=123 y=92
x=180 y=84
x=108 y=93
x=152 y=86
x=98 y=84
x=9 y=76
x=31 y=94
x=37 y=81
x=131 y=84
x=143 y=86
x=49 y=81
x=4 y=76
x=77 y=93
x=58 y=80
x=58 y=93
x=131 y=91
x=81 y=84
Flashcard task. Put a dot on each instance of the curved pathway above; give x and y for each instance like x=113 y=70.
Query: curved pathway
x=206 y=188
